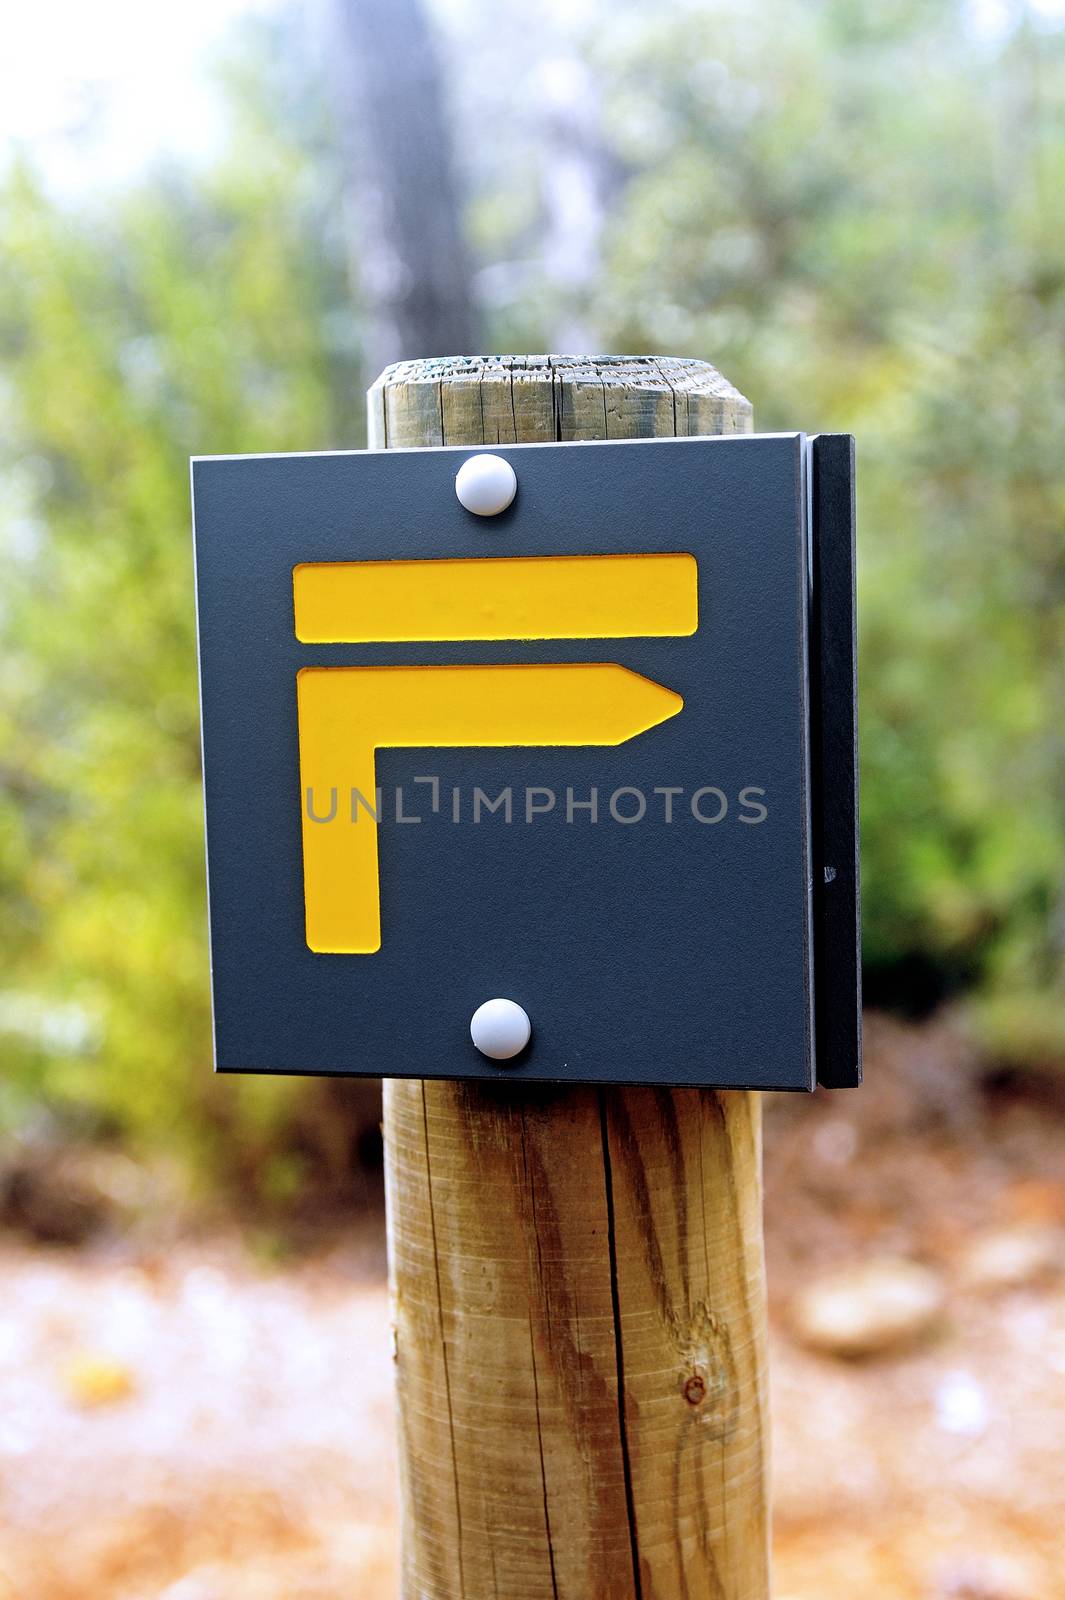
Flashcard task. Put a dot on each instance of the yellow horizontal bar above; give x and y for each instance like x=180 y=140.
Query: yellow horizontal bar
x=500 y=597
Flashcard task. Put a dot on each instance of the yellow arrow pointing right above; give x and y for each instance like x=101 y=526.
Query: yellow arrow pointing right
x=346 y=713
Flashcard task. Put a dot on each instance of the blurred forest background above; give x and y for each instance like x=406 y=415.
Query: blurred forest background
x=854 y=210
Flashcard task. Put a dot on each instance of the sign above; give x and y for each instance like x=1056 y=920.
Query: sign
x=591 y=755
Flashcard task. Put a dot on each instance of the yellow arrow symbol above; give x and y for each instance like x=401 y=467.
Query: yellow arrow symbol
x=347 y=713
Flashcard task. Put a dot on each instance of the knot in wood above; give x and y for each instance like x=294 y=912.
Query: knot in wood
x=695 y=1389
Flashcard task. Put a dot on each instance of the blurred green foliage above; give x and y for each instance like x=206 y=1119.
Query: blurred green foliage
x=853 y=210
x=200 y=315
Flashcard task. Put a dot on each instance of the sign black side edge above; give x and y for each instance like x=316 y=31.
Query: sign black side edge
x=834 y=764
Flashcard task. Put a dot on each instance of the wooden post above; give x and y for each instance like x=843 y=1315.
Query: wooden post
x=577 y=1274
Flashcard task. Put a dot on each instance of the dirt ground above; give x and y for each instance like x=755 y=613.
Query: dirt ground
x=186 y=1422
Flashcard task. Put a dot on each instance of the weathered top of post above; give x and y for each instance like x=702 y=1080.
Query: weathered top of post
x=540 y=399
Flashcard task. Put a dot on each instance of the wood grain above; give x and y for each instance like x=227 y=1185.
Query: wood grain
x=577 y=1274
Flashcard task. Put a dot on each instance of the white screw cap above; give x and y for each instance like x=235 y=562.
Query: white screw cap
x=485 y=485
x=500 y=1029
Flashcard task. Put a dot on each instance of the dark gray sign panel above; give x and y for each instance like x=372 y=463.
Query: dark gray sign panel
x=562 y=755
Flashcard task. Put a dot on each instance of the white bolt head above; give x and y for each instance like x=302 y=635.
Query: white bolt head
x=500 y=1029
x=485 y=485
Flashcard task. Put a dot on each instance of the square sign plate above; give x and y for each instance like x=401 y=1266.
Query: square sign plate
x=560 y=755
